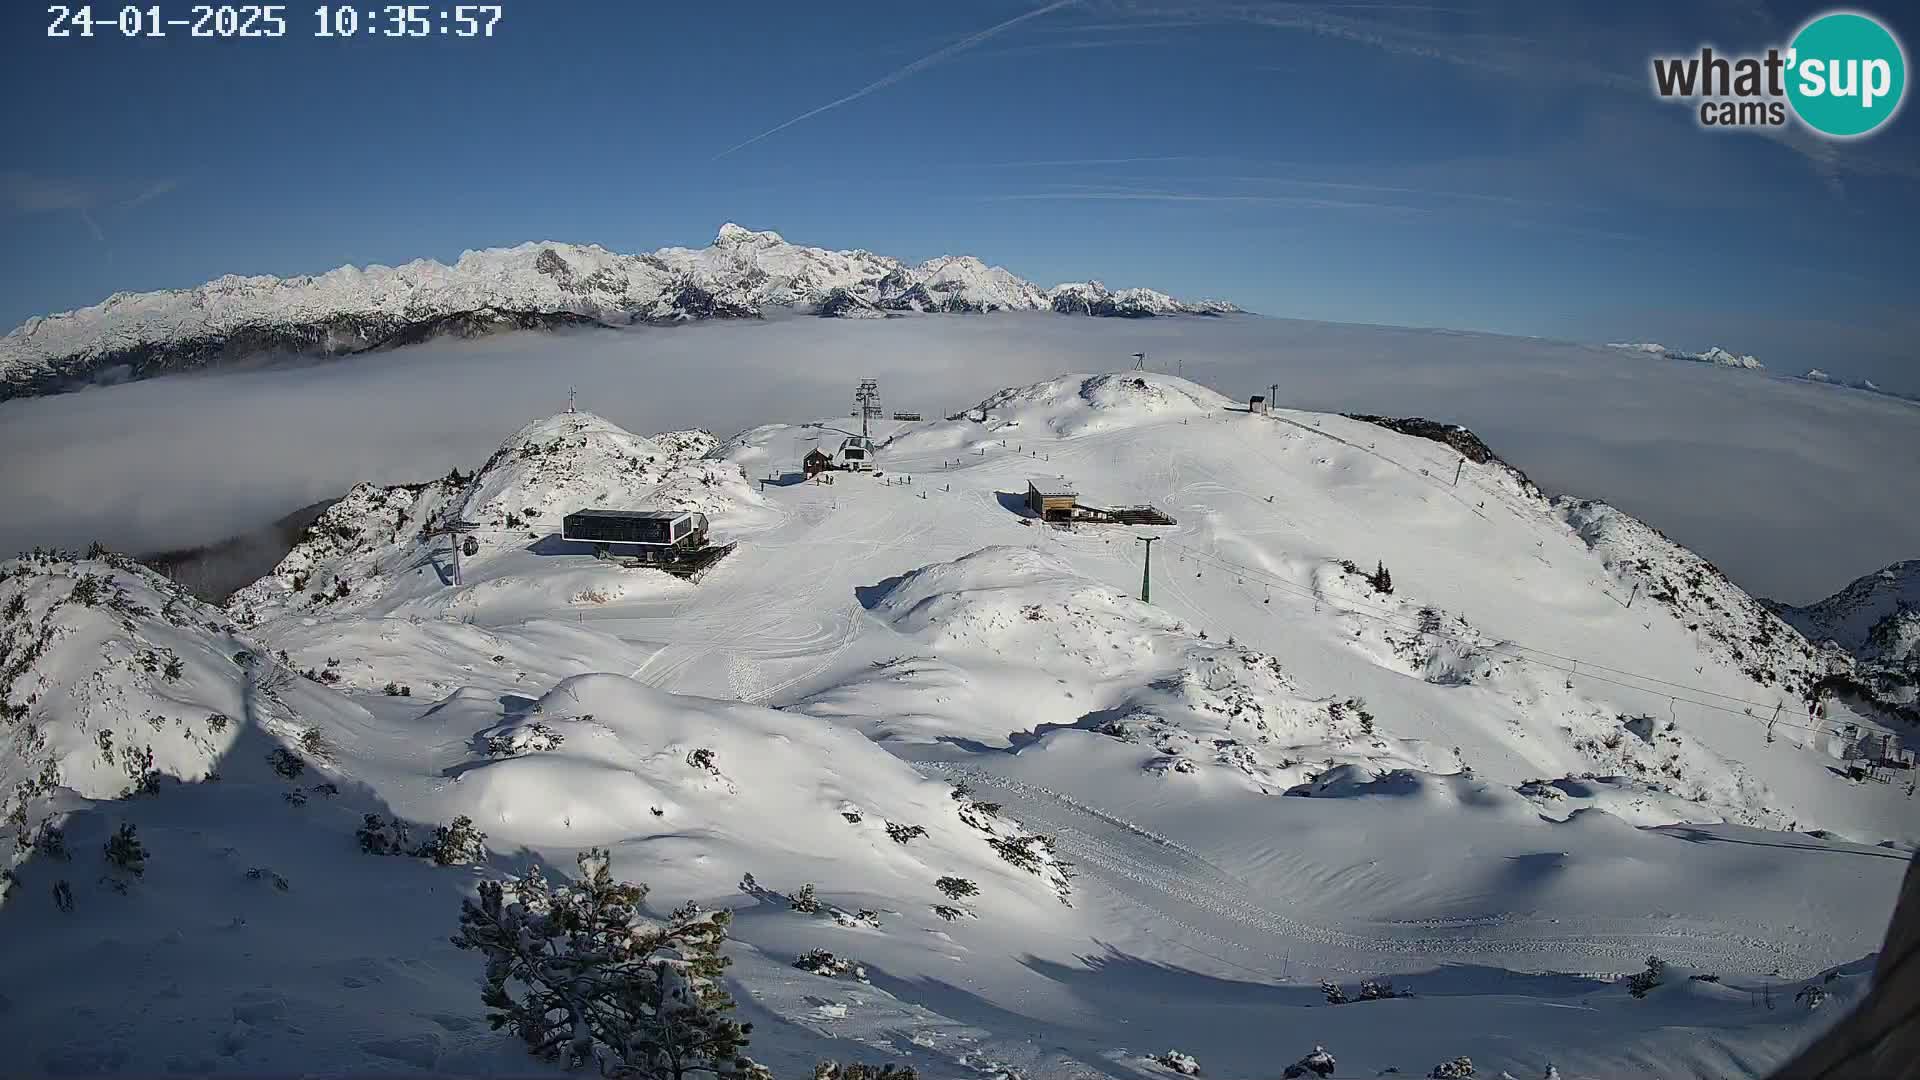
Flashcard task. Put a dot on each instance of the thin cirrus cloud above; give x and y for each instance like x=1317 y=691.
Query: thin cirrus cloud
x=1518 y=56
x=1128 y=195
x=905 y=71
x=33 y=193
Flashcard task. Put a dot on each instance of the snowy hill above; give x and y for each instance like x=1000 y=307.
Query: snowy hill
x=1374 y=722
x=743 y=274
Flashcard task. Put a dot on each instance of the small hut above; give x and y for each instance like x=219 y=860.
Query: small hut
x=1257 y=405
x=1051 y=500
x=816 y=462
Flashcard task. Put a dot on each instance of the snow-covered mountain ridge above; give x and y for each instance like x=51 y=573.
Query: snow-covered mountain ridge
x=742 y=274
x=1714 y=355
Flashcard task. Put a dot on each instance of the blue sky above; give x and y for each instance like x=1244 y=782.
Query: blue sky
x=1499 y=166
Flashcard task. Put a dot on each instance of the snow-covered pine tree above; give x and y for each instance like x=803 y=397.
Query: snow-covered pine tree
x=598 y=983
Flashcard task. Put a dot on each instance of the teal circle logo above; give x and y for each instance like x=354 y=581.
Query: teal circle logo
x=1846 y=74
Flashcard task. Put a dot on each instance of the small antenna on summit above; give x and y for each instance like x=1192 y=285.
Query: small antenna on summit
x=1139 y=361
x=570 y=395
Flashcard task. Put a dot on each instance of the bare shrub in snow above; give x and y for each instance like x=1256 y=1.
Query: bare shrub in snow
x=265 y=873
x=1029 y=853
x=1378 y=989
x=533 y=738
x=378 y=836
x=1460 y=1068
x=904 y=834
x=950 y=913
x=1319 y=1063
x=956 y=888
x=1333 y=993
x=314 y=742
x=50 y=841
x=394 y=689
x=862 y=917
x=804 y=901
x=286 y=763
x=822 y=962
x=1640 y=982
x=63 y=895
x=1814 y=995
x=457 y=844
x=577 y=974
x=703 y=759
x=857 y=1070
x=126 y=857
x=1184 y=1064
x=217 y=722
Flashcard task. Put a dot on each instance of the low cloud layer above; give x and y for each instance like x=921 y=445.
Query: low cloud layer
x=1793 y=489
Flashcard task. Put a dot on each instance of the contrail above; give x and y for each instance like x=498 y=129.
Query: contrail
x=897 y=74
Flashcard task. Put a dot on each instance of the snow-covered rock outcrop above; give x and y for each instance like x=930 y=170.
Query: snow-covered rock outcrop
x=113 y=677
x=1728 y=623
x=742 y=274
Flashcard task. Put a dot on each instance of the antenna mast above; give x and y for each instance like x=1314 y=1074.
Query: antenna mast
x=1139 y=361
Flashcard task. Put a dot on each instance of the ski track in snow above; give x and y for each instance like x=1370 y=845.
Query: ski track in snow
x=1160 y=870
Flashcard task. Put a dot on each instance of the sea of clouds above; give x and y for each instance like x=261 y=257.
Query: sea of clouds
x=1793 y=488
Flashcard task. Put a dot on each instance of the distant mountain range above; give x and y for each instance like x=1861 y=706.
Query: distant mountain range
x=741 y=275
x=1720 y=357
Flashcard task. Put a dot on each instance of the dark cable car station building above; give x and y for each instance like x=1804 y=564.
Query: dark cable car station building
x=645 y=534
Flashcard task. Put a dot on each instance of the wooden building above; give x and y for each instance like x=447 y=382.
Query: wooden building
x=816 y=462
x=1051 y=500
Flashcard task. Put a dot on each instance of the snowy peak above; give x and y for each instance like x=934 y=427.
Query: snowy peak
x=731 y=234
x=547 y=285
x=1716 y=355
x=1876 y=617
x=1727 y=358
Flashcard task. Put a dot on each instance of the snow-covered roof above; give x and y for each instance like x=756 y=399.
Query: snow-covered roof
x=1054 y=488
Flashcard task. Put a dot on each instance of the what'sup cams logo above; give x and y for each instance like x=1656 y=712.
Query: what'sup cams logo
x=1843 y=76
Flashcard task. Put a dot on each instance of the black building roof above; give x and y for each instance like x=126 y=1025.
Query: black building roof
x=632 y=515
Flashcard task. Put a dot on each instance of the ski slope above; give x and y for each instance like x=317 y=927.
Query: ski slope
x=1504 y=784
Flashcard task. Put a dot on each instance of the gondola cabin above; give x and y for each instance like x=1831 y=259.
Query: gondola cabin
x=643 y=534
